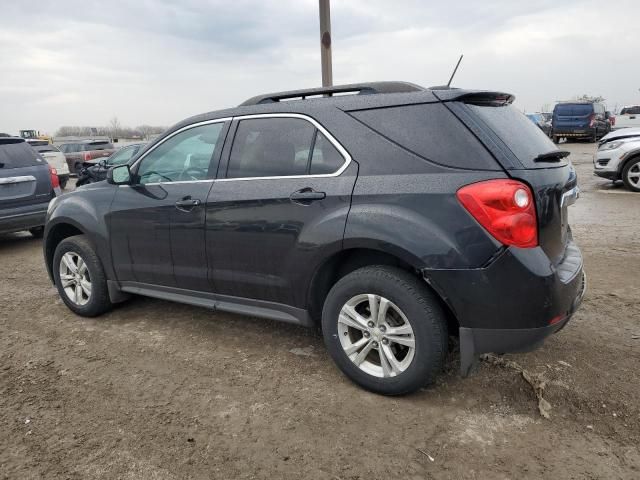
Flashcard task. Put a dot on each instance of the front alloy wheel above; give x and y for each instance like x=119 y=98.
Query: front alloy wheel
x=75 y=278
x=376 y=335
x=631 y=175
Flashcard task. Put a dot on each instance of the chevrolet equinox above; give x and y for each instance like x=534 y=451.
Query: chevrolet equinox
x=388 y=214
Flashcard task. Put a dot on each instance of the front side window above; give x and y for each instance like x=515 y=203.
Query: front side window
x=122 y=156
x=183 y=157
x=281 y=147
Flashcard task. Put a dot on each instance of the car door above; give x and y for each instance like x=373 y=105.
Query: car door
x=281 y=203
x=157 y=222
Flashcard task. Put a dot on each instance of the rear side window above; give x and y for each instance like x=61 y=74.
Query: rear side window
x=271 y=147
x=326 y=158
x=573 y=109
x=432 y=132
x=17 y=155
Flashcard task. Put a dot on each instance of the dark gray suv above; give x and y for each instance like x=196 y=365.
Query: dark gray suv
x=390 y=215
x=27 y=183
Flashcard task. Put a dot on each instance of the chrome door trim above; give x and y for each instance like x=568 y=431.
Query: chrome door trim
x=18 y=179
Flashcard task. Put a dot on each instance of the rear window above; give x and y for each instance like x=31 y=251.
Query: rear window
x=432 y=132
x=98 y=146
x=17 y=155
x=525 y=140
x=574 y=109
x=45 y=148
x=630 y=110
x=70 y=148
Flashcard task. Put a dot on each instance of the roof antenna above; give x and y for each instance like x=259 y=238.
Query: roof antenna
x=454 y=71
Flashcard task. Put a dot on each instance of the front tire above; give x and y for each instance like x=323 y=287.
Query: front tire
x=385 y=330
x=80 y=278
x=631 y=174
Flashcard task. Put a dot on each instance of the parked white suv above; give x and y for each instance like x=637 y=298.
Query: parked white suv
x=629 y=117
x=54 y=157
x=618 y=157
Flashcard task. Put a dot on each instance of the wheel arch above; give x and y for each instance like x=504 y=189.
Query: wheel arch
x=345 y=261
x=55 y=234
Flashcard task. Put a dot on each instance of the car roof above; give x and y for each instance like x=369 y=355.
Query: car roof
x=362 y=96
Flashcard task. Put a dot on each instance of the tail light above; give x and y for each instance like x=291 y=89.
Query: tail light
x=87 y=156
x=505 y=209
x=592 y=120
x=55 y=181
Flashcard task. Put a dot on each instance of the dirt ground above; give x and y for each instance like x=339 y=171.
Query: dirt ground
x=158 y=390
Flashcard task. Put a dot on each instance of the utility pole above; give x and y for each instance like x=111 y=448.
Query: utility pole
x=325 y=43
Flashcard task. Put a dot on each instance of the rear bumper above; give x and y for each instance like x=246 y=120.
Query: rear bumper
x=22 y=218
x=514 y=303
x=578 y=132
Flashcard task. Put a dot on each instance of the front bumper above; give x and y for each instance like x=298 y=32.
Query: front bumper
x=512 y=304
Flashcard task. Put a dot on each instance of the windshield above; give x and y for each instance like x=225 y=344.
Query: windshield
x=45 y=148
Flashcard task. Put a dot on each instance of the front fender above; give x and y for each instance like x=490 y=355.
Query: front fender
x=84 y=210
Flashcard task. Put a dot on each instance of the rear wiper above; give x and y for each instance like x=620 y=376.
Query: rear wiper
x=554 y=156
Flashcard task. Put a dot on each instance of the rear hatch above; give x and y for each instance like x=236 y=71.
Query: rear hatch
x=24 y=175
x=571 y=116
x=526 y=154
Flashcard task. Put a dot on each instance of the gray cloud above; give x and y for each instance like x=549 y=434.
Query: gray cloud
x=157 y=61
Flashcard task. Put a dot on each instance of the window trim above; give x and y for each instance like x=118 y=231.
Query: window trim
x=312 y=121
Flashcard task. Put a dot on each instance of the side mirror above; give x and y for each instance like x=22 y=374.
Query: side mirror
x=119 y=175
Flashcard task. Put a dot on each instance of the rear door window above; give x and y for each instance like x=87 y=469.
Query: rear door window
x=326 y=158
x=271 y=147
x=17 y=154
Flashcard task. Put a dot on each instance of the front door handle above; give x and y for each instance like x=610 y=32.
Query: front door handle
x=187 y=203
x=307 y=195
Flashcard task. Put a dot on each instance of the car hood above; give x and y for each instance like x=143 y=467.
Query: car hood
x=622 y=133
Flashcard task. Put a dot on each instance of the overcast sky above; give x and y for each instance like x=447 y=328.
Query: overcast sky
x=81 y=62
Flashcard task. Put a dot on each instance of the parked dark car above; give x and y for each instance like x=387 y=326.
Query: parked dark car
x=392 y=217
x=27 y=184
x=579 y=120
x=96 y=170
x=83 y=151
x=539 y=120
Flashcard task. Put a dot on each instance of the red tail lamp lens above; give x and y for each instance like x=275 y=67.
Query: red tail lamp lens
x=55 y=181
x=505 y=208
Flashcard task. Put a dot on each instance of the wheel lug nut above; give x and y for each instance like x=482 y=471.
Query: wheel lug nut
x=375 y=344
x=383 y=328
x=385 y=341
x=367 y=334
x=370 y=324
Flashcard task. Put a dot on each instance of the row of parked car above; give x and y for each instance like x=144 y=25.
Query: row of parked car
x=584 y=120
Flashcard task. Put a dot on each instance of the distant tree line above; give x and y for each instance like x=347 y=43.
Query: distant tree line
x=113 y=130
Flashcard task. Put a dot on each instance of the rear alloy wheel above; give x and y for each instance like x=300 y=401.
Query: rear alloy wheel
x=385 y=330
x=376 y=335
x=80 y=278
x=631 y=174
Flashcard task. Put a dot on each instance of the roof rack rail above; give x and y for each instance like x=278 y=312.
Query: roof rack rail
x=370 y=88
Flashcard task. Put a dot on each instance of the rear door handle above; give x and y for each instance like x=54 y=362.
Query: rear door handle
x=187 y=203
x=307 y=195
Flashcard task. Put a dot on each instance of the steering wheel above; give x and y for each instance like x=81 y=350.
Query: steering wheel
x=188 y=174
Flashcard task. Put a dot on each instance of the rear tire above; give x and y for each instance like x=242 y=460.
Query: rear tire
x=631 y=174
x=63 y=182
x=408 y=314
x=80 y=278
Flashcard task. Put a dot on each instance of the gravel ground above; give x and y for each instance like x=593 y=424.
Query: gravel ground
x=157 y=390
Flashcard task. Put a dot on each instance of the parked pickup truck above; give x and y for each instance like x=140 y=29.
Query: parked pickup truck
x=628 y=117
x=82 y=151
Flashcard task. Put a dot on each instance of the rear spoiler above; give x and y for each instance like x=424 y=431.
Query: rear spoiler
x=478 y=97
